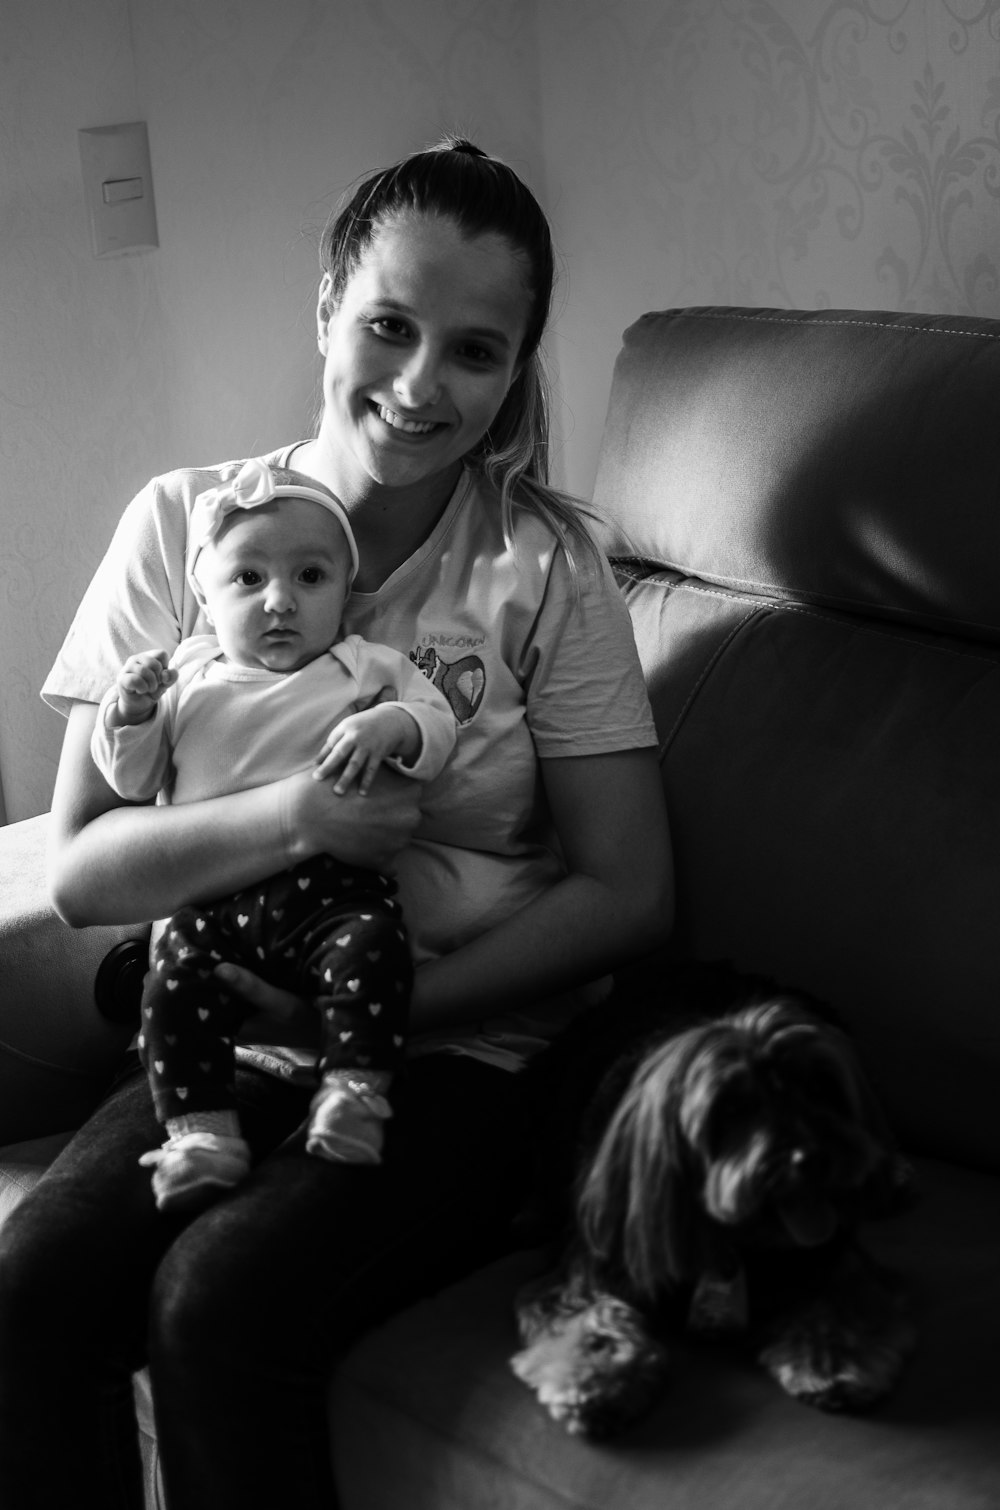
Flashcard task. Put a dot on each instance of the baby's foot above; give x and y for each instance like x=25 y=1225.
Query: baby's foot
x=348 y=1111
x=192 y=1168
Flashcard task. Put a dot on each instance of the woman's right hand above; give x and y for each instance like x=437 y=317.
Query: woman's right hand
x=111 y=862
x=368 y=831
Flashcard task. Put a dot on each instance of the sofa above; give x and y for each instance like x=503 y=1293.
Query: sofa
x=803 y=510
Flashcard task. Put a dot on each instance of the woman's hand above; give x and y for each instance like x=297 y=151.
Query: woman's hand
x=276 y=1016
x=368 y=830
x=113 y=862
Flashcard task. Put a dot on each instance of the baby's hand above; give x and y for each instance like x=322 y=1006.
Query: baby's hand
x=142 y=681
x=357 y=746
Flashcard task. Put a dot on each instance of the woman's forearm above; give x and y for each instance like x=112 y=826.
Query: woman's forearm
x=113 y=863
x=615 y=902
x=576 y=932
x=131 y=864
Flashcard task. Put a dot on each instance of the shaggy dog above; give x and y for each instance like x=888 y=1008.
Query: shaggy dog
x=723 y=1165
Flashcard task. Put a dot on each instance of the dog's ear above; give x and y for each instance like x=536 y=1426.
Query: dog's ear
x=891 y=1184
x=636 y=1204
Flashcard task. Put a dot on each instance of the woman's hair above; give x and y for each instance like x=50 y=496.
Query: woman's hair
x=481 y=195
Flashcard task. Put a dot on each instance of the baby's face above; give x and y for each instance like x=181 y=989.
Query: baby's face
x=275 y=581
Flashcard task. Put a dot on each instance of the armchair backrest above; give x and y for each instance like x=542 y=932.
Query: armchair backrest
x=806 y=512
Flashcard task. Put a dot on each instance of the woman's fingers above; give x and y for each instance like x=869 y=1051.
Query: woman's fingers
x=365 y=830
x=256 y=992
x=273 y=1013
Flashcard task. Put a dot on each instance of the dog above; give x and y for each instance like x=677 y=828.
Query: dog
x=723 y=1166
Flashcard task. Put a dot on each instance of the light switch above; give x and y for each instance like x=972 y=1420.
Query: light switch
x=118 y=188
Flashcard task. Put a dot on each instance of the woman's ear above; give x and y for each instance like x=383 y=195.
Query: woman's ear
x=324 y=309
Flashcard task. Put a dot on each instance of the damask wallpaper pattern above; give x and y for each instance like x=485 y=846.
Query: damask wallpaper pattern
x=800 y=153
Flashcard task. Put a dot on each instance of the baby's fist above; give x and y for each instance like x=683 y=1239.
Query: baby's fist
x=142 y=681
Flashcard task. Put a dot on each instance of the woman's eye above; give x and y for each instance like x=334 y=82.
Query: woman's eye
x=479 y=356
x=247 y=578
x=390 y=328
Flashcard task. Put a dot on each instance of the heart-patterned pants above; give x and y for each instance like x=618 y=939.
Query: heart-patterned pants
x=330 y=932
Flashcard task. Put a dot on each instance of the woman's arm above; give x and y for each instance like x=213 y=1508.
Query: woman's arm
x=112 y=862
x=615 y=902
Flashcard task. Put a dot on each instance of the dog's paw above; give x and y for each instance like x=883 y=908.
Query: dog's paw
x=595 y=1369
x=822 y=1361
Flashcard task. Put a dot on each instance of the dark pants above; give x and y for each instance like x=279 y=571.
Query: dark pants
x=328 y=931
x=241 y=1310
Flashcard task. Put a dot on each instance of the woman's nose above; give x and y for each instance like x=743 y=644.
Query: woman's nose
x=279 y=597
x=417 y=384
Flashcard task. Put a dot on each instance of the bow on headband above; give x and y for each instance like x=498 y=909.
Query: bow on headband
x=257 y=483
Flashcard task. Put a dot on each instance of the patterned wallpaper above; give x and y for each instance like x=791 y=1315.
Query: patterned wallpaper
x=799 y=153
x=803 y=153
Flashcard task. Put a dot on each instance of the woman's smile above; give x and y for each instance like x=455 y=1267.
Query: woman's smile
x=406 y=426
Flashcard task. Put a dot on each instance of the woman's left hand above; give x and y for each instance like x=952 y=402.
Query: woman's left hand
x=276 y=1015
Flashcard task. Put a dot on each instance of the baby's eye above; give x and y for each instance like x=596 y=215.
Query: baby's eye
x=311 y=575
x=248 y=578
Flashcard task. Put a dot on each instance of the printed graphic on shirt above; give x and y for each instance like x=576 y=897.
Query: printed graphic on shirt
x=462 y=681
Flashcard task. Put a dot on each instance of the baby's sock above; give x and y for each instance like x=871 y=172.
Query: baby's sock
x=348 y=1111
x=225 y=1124
x=203 y=1155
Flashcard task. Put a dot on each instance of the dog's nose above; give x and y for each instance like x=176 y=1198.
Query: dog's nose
x=808 y=1163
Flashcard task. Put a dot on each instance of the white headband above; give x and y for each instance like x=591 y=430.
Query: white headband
x=257 y=483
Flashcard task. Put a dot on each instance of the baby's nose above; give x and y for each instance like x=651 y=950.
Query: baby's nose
x=279 y=598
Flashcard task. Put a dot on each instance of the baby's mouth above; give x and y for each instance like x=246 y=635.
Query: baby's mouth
x=406 y=426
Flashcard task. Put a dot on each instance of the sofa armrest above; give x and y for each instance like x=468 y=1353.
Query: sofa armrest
x=57 y=1050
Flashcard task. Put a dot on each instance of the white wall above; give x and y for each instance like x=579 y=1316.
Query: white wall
x=259 y=116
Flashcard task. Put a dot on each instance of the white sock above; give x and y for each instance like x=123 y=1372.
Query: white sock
x=225 y=1124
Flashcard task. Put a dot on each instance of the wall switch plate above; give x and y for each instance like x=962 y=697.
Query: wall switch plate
x=118 y=188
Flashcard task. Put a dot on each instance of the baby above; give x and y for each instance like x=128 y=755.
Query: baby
x=271 y=557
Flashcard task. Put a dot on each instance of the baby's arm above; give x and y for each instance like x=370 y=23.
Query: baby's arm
x=141 y=683
x=358 y=745
x=129 y=746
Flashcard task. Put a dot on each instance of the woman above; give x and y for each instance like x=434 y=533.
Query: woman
x=540 y=860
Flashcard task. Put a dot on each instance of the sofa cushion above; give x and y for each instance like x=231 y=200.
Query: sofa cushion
x=22 y=1166
x=426 y=1413
x=56 y=1050
x=834 y=807
x=836 y=457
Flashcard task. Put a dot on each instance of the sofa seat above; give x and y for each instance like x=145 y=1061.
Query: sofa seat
x=428 y=1414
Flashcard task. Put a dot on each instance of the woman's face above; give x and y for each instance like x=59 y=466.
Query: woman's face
x=420 y=351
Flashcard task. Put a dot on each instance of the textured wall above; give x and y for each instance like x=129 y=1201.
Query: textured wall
x=82 y=400
x=799 y=153
x=110 y=370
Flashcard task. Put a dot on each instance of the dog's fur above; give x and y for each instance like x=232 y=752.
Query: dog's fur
x=725 y=1161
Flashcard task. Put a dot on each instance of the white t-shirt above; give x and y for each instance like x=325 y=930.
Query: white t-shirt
x=222 y=728
x=531 y=664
